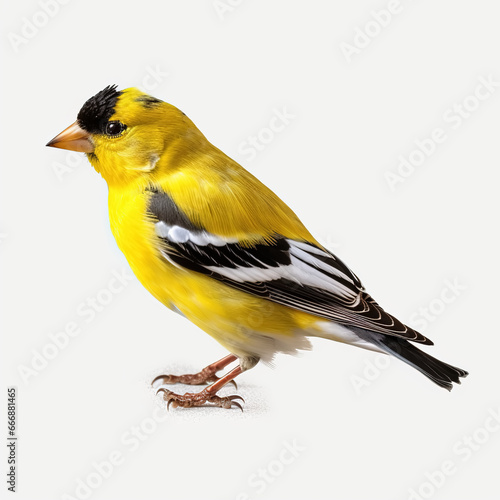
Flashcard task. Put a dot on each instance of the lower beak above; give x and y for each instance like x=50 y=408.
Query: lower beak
x=73 y=138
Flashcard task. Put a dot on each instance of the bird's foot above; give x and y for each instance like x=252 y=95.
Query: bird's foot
x=189 y=400
x=205 y=376
x=207 y=395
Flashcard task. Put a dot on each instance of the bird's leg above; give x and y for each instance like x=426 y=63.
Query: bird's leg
x=208 y=374
x=207 y=395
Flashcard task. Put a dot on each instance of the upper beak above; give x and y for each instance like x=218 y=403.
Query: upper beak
x=73 y=138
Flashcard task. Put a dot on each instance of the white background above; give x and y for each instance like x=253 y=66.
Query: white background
x=363 y=432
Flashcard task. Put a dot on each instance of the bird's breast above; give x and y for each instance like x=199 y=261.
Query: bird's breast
x=133 y=229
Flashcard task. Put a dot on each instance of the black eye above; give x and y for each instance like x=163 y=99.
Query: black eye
x=115 y=128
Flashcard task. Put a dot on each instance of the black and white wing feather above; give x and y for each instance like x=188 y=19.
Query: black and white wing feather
x=293 y=273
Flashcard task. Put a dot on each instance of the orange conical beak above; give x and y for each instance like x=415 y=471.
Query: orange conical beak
x=73 y=138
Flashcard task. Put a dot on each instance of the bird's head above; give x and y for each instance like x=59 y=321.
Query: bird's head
x=129 y=134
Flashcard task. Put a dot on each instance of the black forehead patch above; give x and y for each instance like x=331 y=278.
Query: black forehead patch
x=97 y=111
x=148 y=101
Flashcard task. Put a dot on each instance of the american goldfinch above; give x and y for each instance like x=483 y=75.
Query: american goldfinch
x=214 y=244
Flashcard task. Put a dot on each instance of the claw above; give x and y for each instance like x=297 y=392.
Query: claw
x=237 y=405
x=232 y=398
x=161 y=389
x=165 y=379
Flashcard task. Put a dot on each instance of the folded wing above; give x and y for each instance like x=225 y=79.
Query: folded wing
x=297 y=274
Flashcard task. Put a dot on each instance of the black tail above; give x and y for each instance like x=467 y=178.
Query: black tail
x=439 y=372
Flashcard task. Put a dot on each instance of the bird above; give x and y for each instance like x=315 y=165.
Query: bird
x=214 y=244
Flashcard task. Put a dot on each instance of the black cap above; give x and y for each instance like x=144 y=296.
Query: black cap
x=97 y=111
